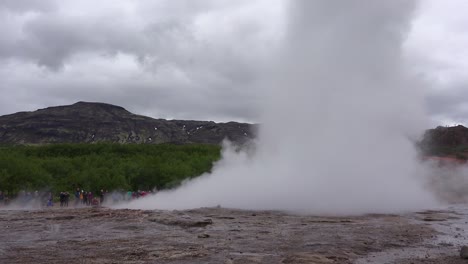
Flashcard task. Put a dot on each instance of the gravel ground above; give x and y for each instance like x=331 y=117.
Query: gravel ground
x=218 y=235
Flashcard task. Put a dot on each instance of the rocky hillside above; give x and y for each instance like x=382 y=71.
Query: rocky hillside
x=446 y=141
x=85 y=122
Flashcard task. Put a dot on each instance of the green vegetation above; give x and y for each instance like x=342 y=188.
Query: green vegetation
x=63 y=167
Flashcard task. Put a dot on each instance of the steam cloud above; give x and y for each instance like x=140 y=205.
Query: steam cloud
x=339 y=114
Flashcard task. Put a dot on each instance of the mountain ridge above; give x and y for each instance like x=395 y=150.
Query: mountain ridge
x=90 y=122
x=93 y=122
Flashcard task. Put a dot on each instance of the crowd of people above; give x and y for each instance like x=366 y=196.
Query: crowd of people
x=80 y=198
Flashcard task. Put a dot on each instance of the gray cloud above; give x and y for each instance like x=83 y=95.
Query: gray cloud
x=437 y=47
x=21 y=6
x=449 y=106
x=170 y=59
x=188 y=59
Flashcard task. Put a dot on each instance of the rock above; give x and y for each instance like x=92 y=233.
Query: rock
x=305 y=257
x=464 y=252
x=434 y=219
x=203 y=236
x=187 y=223
x=65 y=217
x=202 y=223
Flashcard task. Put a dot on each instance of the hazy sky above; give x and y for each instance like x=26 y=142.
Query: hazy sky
x=190 y=59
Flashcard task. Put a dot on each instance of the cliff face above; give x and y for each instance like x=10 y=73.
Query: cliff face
x=85 y=122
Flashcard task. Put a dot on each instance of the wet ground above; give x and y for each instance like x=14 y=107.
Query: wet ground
x=216 y=235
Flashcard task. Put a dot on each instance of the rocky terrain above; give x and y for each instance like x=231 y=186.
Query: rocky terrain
x=217 y=235
x=85 y=122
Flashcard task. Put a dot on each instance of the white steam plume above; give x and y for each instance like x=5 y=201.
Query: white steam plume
x=339 y=114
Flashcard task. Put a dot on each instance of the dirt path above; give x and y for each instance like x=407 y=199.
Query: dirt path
x=215 y=235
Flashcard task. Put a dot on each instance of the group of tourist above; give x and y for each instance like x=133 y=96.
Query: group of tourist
x=88 y=198
x=79 y=198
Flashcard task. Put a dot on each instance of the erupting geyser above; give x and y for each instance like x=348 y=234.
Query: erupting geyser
x=336 y=128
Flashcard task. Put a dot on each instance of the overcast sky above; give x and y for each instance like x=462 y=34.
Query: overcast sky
x=190 y=59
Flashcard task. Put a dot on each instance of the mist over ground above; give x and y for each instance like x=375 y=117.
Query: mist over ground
x=348 y=112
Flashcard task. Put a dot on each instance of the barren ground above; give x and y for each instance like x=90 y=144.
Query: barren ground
x=217 y=235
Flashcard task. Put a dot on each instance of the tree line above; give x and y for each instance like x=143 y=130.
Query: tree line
x=65 y=167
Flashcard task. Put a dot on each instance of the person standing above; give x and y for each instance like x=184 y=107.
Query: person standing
x=90 y=198
x=50 y=199
x=85 y=198
x=66 y=198
x=77 y=196
x=101 y=197
x=62 y=199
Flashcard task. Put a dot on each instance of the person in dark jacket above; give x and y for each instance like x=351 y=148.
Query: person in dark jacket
x=62 y=199
x=77 y=196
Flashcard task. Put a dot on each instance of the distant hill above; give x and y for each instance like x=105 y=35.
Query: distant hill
x=86 y=122
x=446 y=141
